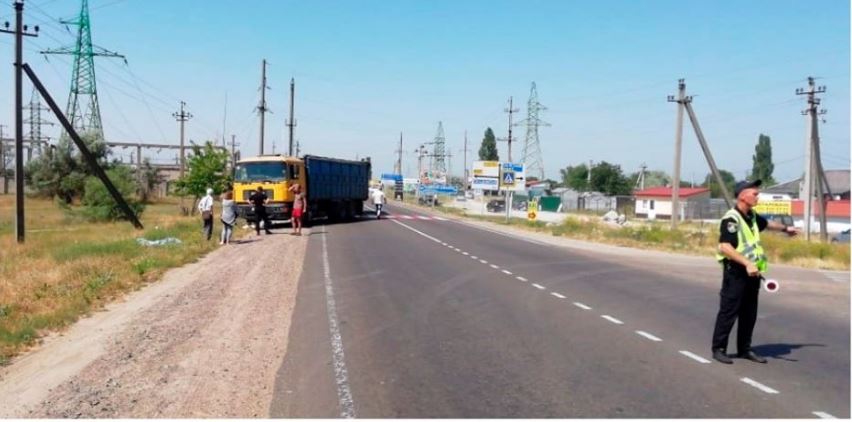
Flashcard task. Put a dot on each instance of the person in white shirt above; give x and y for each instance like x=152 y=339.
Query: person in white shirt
x=379 y=200
x=205 y=207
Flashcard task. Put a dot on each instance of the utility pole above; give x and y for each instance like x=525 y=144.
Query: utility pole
x=234 y=144
x=182 y=116
x=298 y=148
x=465 y=160
x=589 y=176
x=640 y=181
x=262 y=106
x=292 y=122
x=511 y=111
x=3 y=162
x=813 y=162
x=20 y=31
x=680 y=100
x=398 y=167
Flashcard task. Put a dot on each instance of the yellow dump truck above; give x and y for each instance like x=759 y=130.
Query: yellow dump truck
x=333 y=188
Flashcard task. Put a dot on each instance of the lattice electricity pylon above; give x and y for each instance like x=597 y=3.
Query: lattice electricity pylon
x=533 y=163
x=35 y=121
x=439 y=164
x=83 y=109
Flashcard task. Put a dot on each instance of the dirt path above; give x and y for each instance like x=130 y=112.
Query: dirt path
x=205 y=341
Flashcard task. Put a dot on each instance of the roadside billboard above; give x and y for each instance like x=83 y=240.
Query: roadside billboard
x=774 y=207
x=486 y=175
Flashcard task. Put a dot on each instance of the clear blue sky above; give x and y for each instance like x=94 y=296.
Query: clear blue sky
x=367 y=70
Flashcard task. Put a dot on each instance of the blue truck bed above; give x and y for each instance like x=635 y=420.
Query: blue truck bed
x=335 y=179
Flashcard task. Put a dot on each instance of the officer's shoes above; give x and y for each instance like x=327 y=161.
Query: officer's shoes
x=754 y=357
x=721 y=356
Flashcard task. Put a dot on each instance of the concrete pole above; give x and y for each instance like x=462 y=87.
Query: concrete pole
x=681 y=95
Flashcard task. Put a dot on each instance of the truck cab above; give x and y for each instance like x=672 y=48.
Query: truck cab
x=275 y=174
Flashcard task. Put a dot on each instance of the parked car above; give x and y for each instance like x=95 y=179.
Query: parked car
x=842 y=237
x=428 y=199
x=496 y=205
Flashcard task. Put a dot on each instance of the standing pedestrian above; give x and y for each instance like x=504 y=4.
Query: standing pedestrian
x=299 y=207
x=205 y=207
x=743 y=260
x=259 y=200
x=229 y=217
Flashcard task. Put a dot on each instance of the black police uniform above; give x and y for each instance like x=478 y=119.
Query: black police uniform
x=257 y=200
x=739 y=291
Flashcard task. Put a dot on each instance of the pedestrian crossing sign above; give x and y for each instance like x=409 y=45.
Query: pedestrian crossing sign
x=508 y=179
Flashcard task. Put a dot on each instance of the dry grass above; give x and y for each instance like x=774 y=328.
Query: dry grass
x=69 y=267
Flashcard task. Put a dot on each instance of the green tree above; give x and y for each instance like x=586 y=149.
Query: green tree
x=488 y=149
x=715 y=191
x=762 y=166
x=206 y=168
x=149 y=178
x=62 y=172
x=653 y=178
x=99 y=205
x=575 y=177
x=608 y=179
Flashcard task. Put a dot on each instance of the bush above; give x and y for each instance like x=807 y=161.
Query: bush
x=99 y=205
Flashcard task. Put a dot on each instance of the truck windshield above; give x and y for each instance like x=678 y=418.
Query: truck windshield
x=257 y=172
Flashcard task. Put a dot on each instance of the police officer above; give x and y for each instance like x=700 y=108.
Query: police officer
x=743 y=260
x=258 y=201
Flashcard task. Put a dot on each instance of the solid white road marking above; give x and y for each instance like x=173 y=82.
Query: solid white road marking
x=344 y=394
x=440 y=218
x=494 y=266
x=407 y=217
x=611 y=319
x=539 y=286
x=507 y=272
x=444 y=243
x=582 y=306
x=557 y=295
x=648 y=336
x=423 y=217
x=521 y=278
x=823 y=415
x=693 y=356
x=759 y=386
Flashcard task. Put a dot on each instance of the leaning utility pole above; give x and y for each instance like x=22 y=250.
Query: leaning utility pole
x=813 y=162
x=262 y=106
x=182 y=116
x=686 y=102
x=680 y=100
x=291 y=123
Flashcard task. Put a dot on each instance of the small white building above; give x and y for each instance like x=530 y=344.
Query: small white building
x=656 y=203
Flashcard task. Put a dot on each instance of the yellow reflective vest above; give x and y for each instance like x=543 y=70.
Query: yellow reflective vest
x=748 y=240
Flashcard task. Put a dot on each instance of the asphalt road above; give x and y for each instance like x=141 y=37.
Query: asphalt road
x=414 y=316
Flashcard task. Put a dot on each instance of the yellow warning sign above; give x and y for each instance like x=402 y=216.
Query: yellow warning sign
x=774 y=207
x=531 y=215
x=532 y=208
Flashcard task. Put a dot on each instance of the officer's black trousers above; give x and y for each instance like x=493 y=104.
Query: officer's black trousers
x=260 y=215
x=738 y=302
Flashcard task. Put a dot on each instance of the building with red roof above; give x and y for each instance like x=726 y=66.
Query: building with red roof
x=656 y=202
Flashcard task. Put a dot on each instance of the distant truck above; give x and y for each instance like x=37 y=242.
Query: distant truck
x=333 y=188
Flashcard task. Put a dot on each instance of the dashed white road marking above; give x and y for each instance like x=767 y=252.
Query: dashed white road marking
x=483 y=261
x=507 y=272
x=611 y=319
x=465 y=253
x=823 y=415
x=474 y=257
x=444 y=243
x=539 y=286
x=522 y=279
x=648 y=336
x=457 y=249
x=494 y=266
x=557 y=295
x=759 y=386
x=582 y=306
x=693 y=356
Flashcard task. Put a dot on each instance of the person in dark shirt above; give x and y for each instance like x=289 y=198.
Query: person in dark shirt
x=742 y=258
x=258 y=201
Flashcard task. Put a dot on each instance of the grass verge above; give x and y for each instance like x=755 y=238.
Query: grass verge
x=68 y=267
